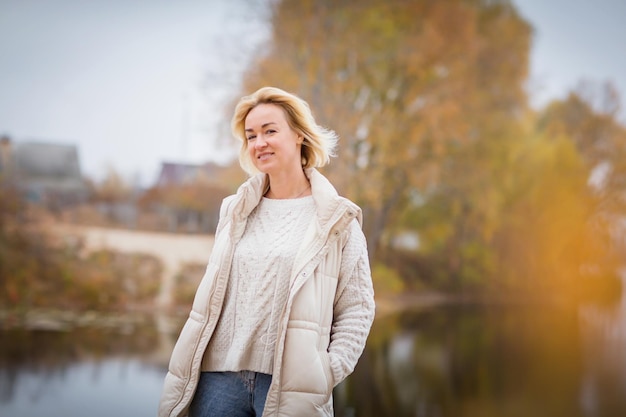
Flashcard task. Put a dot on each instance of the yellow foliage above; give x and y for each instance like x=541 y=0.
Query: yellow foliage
x=549 y=235
x=401 y=82
x=386 y=280
x=437 y=139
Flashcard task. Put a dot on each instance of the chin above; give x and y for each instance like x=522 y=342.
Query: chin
x=262 y=169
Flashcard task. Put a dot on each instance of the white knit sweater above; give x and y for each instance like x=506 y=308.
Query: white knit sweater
x=258 y=286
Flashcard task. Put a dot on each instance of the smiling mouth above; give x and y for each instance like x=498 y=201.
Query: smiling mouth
x=265 y=155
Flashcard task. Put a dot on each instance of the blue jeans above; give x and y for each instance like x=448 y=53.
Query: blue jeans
x=233 y=394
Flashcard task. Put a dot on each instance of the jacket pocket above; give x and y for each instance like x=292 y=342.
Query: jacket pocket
x=305 y=369
x=329 y=372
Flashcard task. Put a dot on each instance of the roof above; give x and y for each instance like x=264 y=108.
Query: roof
x=47 y=166
x=46 y=160
x=179 y=174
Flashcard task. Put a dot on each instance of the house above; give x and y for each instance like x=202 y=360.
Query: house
x=186 y=197
x=178 y=174
x=46 y=173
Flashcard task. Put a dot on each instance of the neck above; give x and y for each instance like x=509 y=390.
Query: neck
x=289 y=188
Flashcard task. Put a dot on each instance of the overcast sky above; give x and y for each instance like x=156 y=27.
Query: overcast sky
x=131 y=82
x=137 y=82
x=575 y=40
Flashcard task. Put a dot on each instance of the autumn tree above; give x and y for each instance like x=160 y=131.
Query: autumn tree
x=113 y=188
x=437 y=139
x=587 y=119
x=550 y=241
x=403 y=83
x=598 y=137
x=540 y=210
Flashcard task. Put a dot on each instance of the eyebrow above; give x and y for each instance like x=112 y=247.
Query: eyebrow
x=264 y=125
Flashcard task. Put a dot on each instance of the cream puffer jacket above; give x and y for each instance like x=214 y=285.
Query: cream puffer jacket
x=325 y=324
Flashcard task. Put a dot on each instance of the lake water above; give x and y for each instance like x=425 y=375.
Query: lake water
x=449 y=360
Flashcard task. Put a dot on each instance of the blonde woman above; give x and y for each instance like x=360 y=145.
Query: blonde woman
x=284 y=309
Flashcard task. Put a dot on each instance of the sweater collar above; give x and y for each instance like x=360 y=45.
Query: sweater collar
x=329 y=205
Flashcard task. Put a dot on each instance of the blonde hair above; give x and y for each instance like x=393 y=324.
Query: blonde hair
x=319 y=143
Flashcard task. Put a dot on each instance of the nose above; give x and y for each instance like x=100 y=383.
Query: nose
x=260 y=142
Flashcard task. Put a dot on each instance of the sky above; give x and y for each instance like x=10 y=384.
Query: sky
x=574 y=41
x=134 y=83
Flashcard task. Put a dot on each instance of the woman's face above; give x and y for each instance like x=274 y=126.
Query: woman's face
x=273 y=146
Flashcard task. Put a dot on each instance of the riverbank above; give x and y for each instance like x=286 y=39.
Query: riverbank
x=391 y=304
x=57 y=320
x=51 y=319
x=411 y=301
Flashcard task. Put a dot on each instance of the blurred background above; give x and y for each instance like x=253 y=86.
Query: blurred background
x=485 y=141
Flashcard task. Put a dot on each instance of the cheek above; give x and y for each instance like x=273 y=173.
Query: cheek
x=250 y=151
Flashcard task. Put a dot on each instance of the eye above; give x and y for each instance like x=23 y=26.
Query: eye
x=270 y=131
x=251 y=137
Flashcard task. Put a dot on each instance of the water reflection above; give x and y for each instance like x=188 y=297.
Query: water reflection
x=111 y=387
x=96 y=371
x=457 y=361
x=531 y=360
x=603 y=386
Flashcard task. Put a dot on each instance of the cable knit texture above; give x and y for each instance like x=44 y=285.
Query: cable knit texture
x=258 y=287
x=354 y=307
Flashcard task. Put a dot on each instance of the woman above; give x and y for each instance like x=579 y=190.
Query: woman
x=283 y=311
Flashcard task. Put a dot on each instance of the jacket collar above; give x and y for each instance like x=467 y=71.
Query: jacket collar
x=329 y=205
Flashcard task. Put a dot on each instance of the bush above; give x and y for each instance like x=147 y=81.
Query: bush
x=37 y=272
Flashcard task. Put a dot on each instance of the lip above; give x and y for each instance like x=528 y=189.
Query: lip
x=264 y=155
